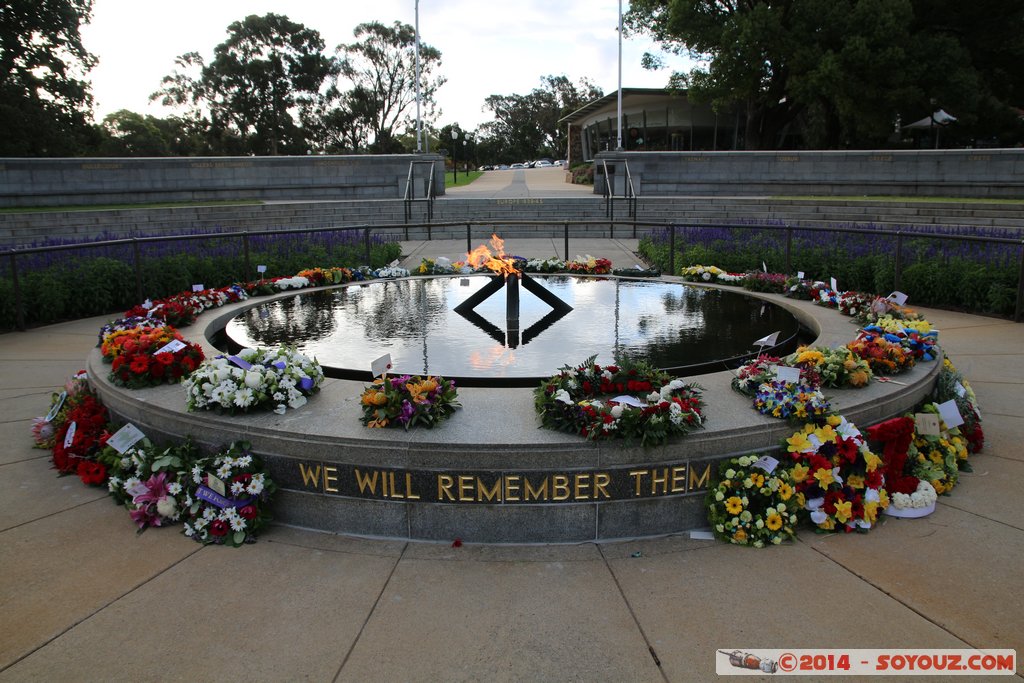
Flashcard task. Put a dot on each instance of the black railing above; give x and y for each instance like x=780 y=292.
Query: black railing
x=450 y=231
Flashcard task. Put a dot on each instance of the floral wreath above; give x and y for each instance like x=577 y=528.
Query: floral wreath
x=837 y=477
x=149 y=482
x=408 y=401
x=939 y=459
x=786 y=400
x=762 y=369
x=837 y=367
x=752 y=502
x=275 y=379
x=148 y=356
x=226 y=500
x=667 y=407
x=883 y=356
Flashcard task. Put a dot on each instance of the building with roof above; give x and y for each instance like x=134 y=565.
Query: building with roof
x=653 y=120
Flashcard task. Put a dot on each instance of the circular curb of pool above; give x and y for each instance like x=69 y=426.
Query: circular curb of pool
x=490 y=474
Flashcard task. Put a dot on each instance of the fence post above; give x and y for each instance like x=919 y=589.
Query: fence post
x=366 y=246
x=469 y=244
x=19 y=306
x=1019 y=313
x=672 y=250
x=137 y=262
x=898 y=267
x=611 y=230
x=565 y=233
x=789 y=249
x=430 y=233
x=246 y=263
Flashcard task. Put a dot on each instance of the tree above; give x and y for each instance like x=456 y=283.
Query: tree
x=529 y=123
x=45 y=104
x=381 y=65
x=256 y=90
x=840 y=72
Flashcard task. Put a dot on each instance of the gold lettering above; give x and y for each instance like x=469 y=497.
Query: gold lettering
x=638 y=475
x=511 y=487
x=310 y=476
x=582 y=484
x=444 y=487
x=601 y=480
x=394 y=491
x=560 y=487
x=702 y=482
x=483 y=493
x=659 y=481
x=537 y=494
x=367 y=482
x=465 y=488
x=408 y=487
x=330 y=477
x=679 y=479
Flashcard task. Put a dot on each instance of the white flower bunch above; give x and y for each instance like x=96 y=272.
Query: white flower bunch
x=278 y=379
x=923 y=497
x=296 y=282
x=391 y=271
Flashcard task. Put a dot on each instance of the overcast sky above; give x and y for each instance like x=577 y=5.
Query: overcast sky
x=488 y=47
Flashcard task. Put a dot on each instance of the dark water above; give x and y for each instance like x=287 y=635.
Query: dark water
x=673 y=326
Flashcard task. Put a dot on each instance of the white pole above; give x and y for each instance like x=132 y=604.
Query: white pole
x=419 y=121
x=618 y=147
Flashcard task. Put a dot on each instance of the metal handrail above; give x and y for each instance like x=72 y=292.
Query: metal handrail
x=430 y=191
x=628 y=191
x=13 y=254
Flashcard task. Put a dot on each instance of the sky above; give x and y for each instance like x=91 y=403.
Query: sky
x=488 y=47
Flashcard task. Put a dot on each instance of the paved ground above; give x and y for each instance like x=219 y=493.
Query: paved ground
x=530 y=182
x=86 y=599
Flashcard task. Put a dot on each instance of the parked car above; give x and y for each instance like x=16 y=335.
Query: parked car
x=543 y=163
x=560 y=162
x=518 y=166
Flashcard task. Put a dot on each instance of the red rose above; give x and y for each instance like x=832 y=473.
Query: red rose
x=156 y=369
x=219 y=527
x=117 y=363
x=248 y=512
x=92 y=472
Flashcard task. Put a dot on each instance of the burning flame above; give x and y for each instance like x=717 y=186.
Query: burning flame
x=496 y=260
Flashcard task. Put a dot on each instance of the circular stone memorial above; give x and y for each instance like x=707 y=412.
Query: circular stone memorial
x=490 y=474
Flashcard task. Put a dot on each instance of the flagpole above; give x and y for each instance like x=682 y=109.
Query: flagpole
x=419 y=121
x=618 y=146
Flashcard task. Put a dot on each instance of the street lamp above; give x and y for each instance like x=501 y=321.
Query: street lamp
x=455 y=149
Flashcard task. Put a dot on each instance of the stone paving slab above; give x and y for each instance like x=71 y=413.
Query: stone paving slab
x=691 y=603
x=61 y=569
x=501 y=621
x=260 y=613
x=32 y=490
x=960 y=570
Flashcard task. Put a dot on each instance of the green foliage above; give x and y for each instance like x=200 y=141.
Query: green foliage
x=97 y=286
x=381 y=66
x=44 y=103
x=262 y=82
x=842 y=73
x=527 y=125
x=956 y=283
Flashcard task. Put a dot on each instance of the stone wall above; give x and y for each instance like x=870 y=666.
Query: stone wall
x=76 y=182
x=947 y=173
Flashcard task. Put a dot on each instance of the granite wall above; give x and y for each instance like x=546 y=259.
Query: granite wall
x=76 y=182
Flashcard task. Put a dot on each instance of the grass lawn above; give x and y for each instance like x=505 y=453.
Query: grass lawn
x=463 y=179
